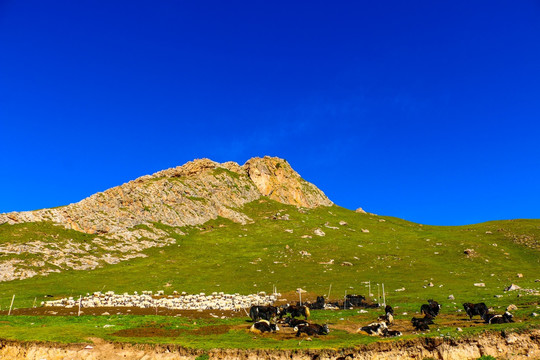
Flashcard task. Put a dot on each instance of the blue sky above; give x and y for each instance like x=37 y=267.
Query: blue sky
x=424 y=110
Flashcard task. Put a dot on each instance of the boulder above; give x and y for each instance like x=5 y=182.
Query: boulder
x=319 y=232
x=512 y=287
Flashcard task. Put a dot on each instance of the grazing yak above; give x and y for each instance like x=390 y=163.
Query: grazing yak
x=380 y=329
x=392 y=333
x=318 y=305
x=421 y=324
x=498 y=319
x=354 y=300
x=292 y=322
x=377 y=328
x=388 y=317
x=313 y=329
x=263 y=312
x=294 y=311
x=263 y=326
x=432 y=308
x=475 y=309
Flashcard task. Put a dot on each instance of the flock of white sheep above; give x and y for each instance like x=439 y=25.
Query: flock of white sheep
x=176 y=301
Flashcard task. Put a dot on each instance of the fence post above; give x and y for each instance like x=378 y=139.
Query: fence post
x=330 y=289
x=10 y=306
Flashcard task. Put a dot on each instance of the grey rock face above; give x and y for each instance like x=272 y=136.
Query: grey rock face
x=191 y=194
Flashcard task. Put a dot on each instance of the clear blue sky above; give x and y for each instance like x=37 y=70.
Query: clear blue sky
x=424 y=110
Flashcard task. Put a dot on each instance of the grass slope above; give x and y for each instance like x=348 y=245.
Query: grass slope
x=224 y=256
x=210 y=333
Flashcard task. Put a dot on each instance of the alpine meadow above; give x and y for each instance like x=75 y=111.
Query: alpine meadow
x=259 y=228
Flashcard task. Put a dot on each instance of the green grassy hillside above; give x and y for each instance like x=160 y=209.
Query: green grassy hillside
x=225 y=256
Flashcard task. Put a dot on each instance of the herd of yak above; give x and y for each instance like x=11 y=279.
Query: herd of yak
x=267 y=318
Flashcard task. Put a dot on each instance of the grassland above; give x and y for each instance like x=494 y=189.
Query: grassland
x=210 y=333
x=225 y=256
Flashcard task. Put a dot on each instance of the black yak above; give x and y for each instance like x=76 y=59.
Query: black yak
x=475 y=309
x=432 y=308
x=263 y=326
x=421 y=324
x=313 y=329
x=295 y=311
x=263 y=312
x=498 y=319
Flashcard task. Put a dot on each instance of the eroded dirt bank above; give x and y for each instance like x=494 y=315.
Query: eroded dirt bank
x=517 y=346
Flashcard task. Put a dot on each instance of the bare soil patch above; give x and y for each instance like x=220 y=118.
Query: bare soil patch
x=149 y=331
x=62 y=311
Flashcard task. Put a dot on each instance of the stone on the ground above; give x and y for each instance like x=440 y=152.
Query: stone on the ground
x=319 y=232
x=512 y=287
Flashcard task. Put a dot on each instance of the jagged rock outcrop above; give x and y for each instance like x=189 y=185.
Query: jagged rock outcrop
x=191 y=194
x=276 y=179
x=187 y=195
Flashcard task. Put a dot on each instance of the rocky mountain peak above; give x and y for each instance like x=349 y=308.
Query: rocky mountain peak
x=275 y=178
x=190 y=194
x=129 y=218
x=191 y=168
